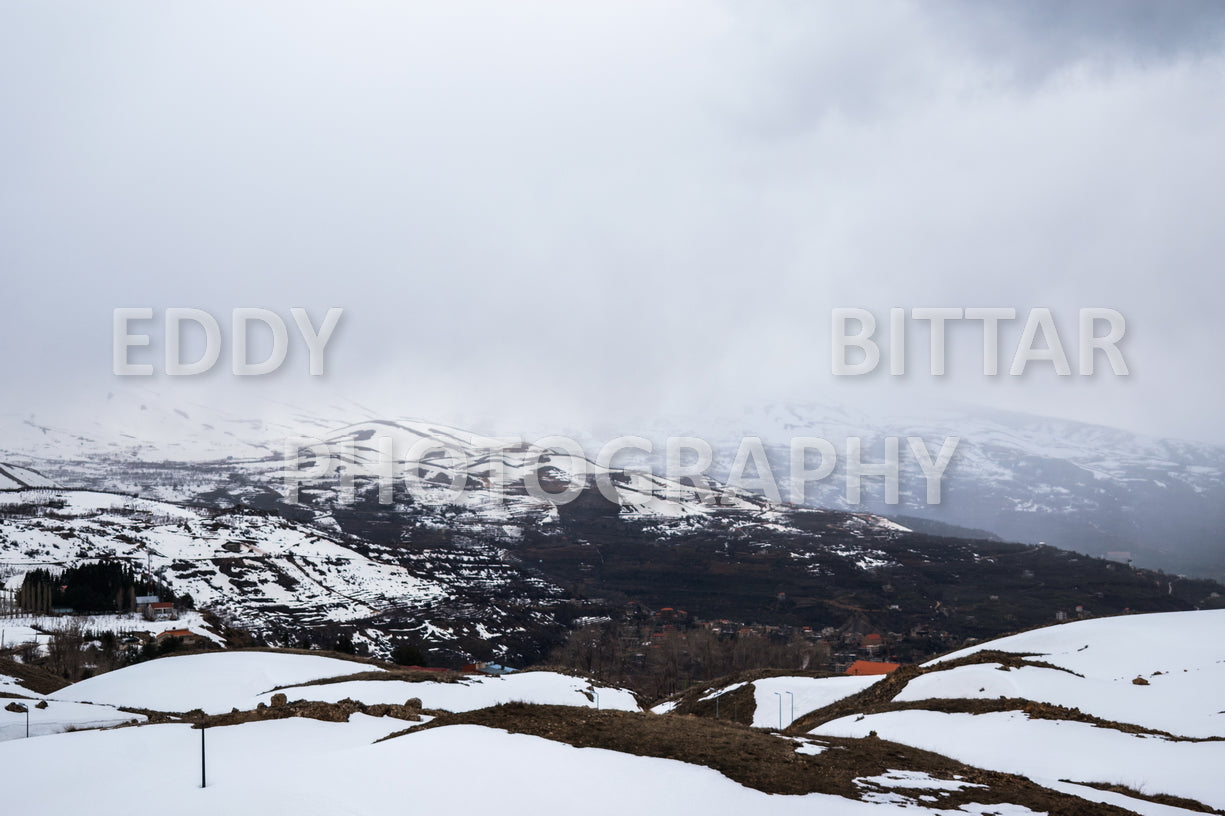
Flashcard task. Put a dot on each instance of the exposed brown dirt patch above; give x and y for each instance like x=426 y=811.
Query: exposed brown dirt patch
x=37 y=680
x=407 y=675
x=764 y=761
x=327 y=712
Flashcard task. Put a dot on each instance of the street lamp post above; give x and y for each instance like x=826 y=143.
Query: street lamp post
x=26 y=709
x=780 y=710
x=792 y=696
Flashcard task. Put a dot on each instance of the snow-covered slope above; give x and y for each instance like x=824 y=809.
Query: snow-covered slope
x=1141 y=704
x=134 y=423
x=56 y=717
x=437 y=465
x=138 y=439
x=257 y=571
x=1179 y=656
x=1052 y=751
x=14 y=477
x=17 y=629
x=307 y=767
x=1072 y=750
x=218 y=682
x=213 y=683
x=776 y=702
x=785 y=699
x=1119 y=646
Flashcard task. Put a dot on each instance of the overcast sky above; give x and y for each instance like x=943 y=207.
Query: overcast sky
x=569 y=212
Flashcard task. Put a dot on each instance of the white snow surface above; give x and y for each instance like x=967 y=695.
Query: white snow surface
x=307 y=767
x=16 y=631
x=57 y=717
x=1047 y=751
x=914 y=780
x=1181 y=656
x=1185 y=703
x=214 y=682
x=13 y=477
x=1124 y=645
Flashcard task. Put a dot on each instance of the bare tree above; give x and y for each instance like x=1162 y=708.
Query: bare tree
x=67 y=657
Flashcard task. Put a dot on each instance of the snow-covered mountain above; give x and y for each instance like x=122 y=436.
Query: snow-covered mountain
x=412 y=530
x=137 y=424
x=260 y=573
x=450 y=575
x=1098 y=490
x=1089 y=488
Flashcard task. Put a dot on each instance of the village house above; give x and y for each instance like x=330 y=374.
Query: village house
x=159 y=611
x=188 y=637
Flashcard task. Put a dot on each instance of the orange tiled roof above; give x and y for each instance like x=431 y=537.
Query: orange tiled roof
x=866 y=667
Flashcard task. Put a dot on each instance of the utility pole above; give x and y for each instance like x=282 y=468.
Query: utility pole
x=203 y=778
x=780 y=710
x=792 y=696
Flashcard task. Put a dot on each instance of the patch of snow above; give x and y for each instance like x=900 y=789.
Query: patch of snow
x=914 y=780
x=809 y=693
x=1047 y=751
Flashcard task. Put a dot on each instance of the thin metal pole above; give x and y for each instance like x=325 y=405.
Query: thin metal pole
x=792 y=696
x=203 y=778
x=780 y=710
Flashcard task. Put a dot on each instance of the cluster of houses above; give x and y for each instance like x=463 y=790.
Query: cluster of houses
x=854 y=648
x=155 y=610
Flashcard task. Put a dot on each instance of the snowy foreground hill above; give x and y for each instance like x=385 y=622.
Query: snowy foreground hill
x=1117 y=715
